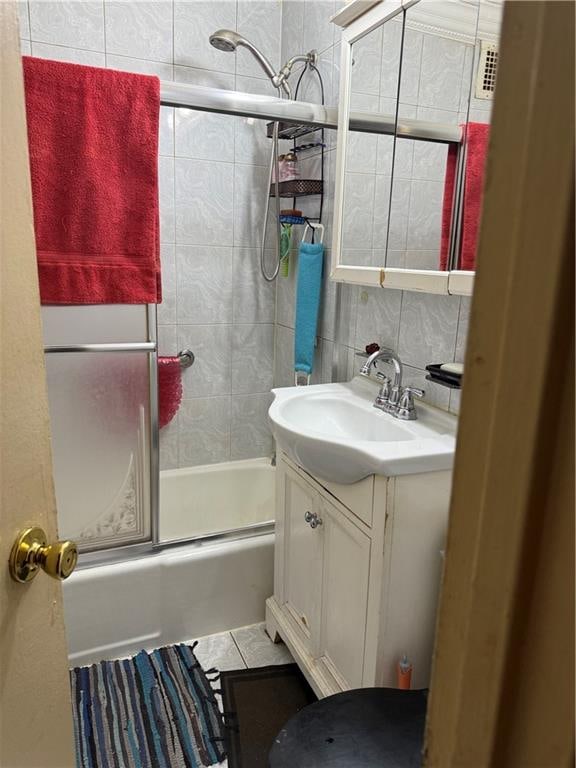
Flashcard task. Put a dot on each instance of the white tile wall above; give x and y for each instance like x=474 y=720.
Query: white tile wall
x=24 y=19
x=259 y=21
x=204 y=431
x=194 y=22
x=254 y=298
x=205 y=287
x=68 y=23
x=212 y=185
x=252 y=359
x=250 y=436
x=142 y=30
x=74 y=55
x=202 y=136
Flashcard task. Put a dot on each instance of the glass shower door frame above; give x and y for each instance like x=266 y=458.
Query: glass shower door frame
x=150 y=346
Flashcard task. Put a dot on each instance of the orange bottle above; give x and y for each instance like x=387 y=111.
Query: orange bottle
x=404 y=673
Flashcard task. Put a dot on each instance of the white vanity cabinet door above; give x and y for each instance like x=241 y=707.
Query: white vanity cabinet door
x=345 y=574
x=302 y=571
x=361 y=589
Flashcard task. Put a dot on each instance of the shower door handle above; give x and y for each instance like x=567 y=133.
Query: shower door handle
x=31 y=552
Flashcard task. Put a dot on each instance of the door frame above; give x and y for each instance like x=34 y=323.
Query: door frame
x=502 y=687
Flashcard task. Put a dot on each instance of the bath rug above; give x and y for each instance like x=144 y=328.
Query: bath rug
x=257 y=703
x=155 y=710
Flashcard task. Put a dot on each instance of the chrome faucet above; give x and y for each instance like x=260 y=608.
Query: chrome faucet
x=392 y=398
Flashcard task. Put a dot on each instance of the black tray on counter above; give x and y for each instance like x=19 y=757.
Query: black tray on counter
x=446 y=378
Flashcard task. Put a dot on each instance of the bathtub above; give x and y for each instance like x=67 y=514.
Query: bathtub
x=188 y=590
x=200 y=501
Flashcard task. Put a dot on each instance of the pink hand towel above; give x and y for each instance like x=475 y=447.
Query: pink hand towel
x=93 y=138
x=476 y=149
x=169 y=389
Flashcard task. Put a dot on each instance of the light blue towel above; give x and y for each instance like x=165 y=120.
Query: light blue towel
x=310 y=262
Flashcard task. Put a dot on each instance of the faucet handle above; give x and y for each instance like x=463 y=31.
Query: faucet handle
x=383 y=395
x=406 y=409
x=415 y=391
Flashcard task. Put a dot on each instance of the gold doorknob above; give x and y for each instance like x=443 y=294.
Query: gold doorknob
x=31 y=552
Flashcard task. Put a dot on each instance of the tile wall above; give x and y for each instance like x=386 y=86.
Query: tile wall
x=212 y=177
x=423 y=328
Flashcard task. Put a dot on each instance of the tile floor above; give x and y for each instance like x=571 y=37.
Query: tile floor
x=242 y=648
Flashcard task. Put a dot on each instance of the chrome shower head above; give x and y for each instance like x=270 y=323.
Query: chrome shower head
x=225 y=40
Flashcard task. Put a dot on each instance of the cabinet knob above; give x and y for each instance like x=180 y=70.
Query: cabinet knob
x=312 y=519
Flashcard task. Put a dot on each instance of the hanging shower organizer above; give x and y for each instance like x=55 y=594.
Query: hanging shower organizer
x=297 y=188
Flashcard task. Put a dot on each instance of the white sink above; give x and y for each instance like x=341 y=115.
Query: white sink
x=334 y=431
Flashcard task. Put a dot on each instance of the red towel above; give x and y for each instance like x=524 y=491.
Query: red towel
x=447 y=204
x=93 y=138
x=476 y=148
x=169 y=389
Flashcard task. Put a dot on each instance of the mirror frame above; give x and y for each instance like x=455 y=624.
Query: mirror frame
x=357 y=19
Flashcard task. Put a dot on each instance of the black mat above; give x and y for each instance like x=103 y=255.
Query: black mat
x=257 y=703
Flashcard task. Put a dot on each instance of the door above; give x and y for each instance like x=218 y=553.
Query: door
x=35 y=712
x=346 y=566
x=502 y=691
x=302 y=557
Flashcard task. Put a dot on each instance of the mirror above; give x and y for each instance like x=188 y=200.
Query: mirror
x=410 y=195
x=369 y=156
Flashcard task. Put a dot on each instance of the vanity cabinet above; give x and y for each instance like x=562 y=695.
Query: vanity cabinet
x=357 y=574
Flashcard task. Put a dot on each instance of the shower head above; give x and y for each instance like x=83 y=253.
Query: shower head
x=227 y=40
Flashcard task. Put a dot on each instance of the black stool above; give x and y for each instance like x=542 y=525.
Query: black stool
x=365 y=728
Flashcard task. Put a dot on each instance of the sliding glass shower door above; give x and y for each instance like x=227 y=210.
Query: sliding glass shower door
x=99 y=364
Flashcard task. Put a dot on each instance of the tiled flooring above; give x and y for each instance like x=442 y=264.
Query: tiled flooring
x=242 y=648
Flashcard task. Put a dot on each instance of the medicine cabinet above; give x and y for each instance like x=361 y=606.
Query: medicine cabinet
x=406 y=213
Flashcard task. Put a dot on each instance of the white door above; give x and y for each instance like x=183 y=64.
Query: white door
x=302 y=547
x=35 y=709
x=344 y=596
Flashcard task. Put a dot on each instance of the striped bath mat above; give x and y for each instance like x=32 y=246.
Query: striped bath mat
x=155 y=710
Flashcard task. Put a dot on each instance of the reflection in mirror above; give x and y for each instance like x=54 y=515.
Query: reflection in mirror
x=369 y=157
x=432 y=223
x=480 y=73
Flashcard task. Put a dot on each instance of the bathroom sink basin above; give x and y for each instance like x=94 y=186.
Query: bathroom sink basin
x=334 y=431
x=339 y=418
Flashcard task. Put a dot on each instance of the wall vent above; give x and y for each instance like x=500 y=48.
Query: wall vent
x=487 y=69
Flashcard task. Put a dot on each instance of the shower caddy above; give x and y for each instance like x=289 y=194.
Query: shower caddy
x=297 y=188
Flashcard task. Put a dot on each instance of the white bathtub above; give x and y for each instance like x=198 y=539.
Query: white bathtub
x=215 y=498
x=191 y=590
